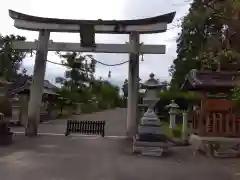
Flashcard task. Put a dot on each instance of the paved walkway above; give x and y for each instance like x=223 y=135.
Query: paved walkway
x=115 y=123
x=74 y=158
x=57 y=157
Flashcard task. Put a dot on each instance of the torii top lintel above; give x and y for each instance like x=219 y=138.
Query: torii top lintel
x=148 y=25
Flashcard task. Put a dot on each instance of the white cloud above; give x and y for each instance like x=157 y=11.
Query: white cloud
x=104 y=9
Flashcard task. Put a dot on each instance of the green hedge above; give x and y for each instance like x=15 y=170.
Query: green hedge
x=172 y=95
x=89 y=108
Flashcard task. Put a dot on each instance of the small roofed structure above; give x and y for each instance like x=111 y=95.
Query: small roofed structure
x=20 y=92
x=211 y=81
x=215 y=115
x=23 y=85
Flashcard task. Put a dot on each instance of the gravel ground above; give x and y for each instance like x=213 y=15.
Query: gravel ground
x=96 y=158
x=56 y=157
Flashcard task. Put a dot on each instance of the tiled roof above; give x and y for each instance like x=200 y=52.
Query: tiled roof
x=196 y=80
x=24 y=83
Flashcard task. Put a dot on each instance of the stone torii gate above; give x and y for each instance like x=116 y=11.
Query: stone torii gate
x=87 y=30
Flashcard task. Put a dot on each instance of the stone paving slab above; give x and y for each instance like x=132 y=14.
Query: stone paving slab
x=96 y=158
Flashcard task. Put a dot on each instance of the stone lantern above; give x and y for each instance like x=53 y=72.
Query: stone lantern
x=150 y=99
x=173 y=111
x=150 y=138
x=6 y=109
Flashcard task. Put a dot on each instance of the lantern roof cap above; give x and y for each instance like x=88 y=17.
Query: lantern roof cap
x=152 y=82
x=172 y=105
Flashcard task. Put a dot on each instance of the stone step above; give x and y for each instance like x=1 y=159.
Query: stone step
x=226 y=153
x=151 y=144
x=148 y=151
x=153 y=152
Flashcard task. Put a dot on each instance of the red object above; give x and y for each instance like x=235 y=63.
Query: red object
x=216 y=118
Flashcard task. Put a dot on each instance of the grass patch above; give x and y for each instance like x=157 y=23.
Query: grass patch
x=176 y=132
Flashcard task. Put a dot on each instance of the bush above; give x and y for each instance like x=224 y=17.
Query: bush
x=176 y=132
x=182 y=99
x=89 y=108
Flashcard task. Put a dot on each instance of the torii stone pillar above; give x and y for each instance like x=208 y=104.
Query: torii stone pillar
x=36 y=90
x=133 y=76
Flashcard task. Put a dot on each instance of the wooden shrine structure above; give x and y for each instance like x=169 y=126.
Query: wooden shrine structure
x=87 y=30
x=216 y=123
x=23 y=87
x=215 y=115
x=20 y=93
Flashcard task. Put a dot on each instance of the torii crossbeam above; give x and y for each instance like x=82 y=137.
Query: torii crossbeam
x=87 y=30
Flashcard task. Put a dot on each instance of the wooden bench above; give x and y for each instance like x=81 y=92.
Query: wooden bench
x=85 y=127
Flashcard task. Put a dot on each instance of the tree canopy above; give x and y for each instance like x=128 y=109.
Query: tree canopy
x=209 y=39
x=10 y=59
x=80 y=85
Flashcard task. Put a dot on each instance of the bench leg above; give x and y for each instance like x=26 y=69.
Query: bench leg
x=67 y=133
x=103 y=134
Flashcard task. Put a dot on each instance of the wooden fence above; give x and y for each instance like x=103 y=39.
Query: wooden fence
x=218 y=124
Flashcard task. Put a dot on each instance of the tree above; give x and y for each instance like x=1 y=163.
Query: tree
x=209 y=38
x=10 y=59
x=10 y=63
x=80 y=85
x=106 y=94
x=78 y=76
x=125 y=89
x=62 y=101
x=165 y=85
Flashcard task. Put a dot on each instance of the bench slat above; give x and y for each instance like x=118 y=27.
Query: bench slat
x=85 y=127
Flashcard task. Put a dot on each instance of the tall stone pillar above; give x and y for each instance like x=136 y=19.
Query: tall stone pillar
x=36 y=90
x=24 y=99
x=133 y=77
x=185 y=127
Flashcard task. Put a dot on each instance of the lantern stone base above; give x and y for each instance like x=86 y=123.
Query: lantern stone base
x=148 y=148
